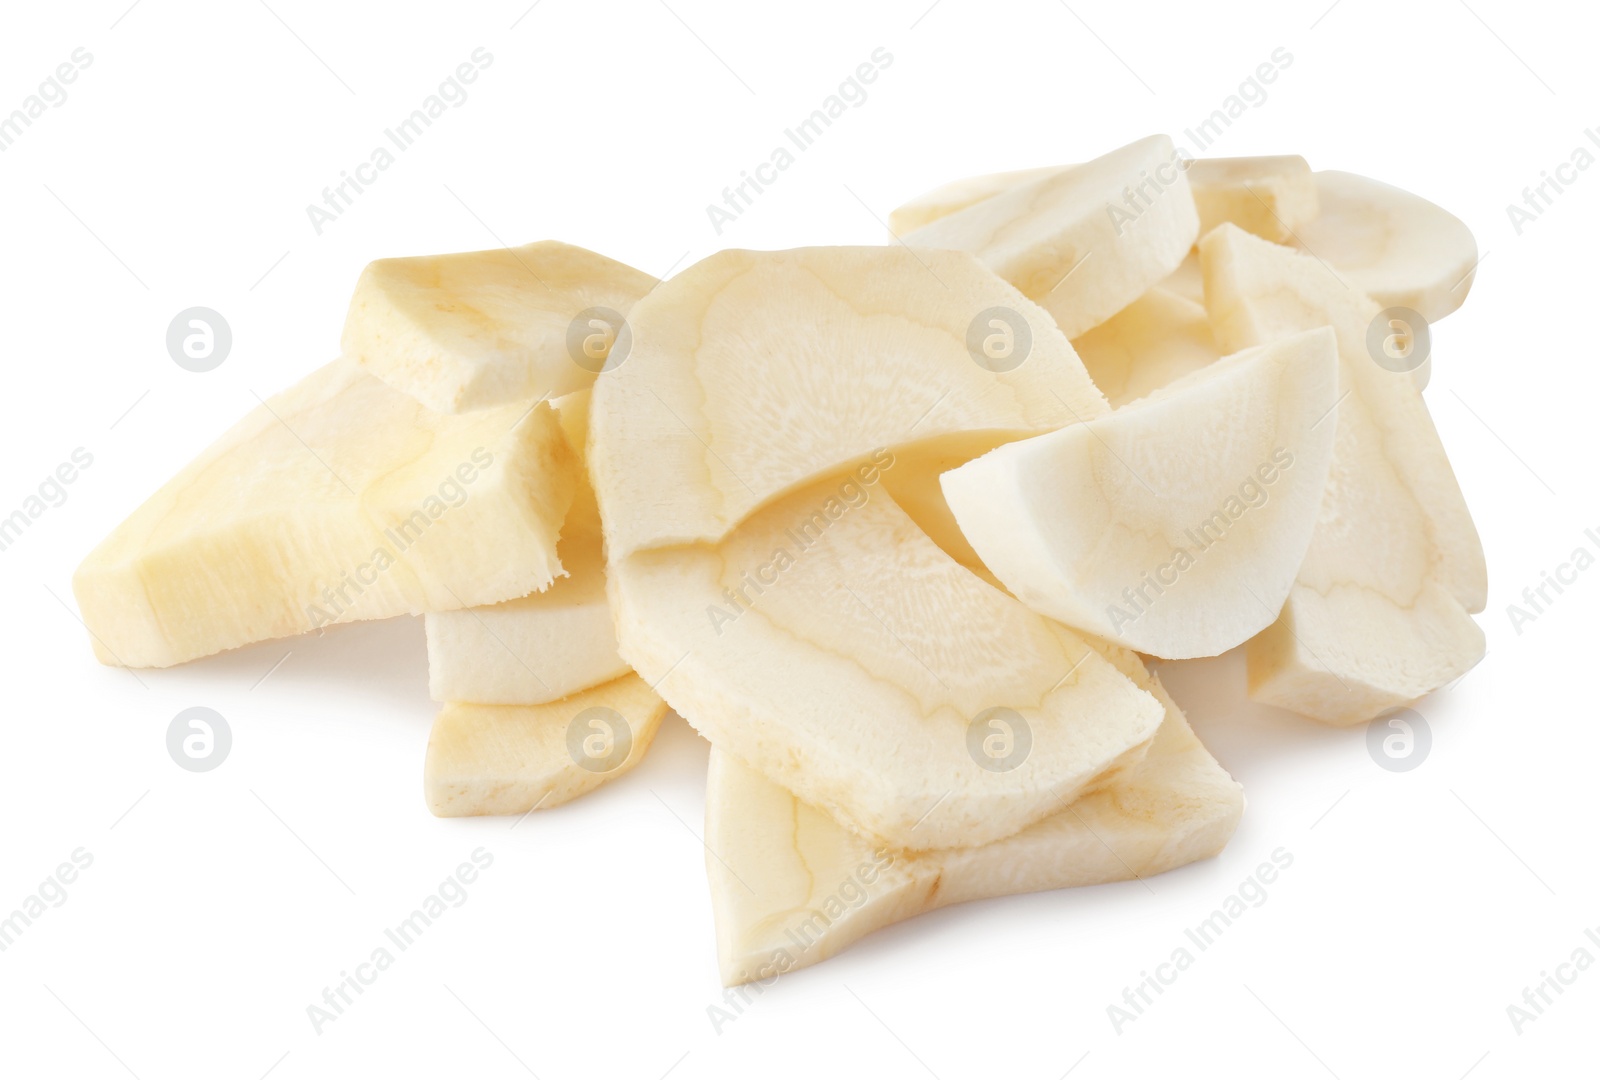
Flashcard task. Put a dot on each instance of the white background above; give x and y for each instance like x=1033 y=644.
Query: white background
x=1419 y=905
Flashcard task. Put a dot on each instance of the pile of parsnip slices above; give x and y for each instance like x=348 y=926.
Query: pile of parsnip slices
x=895 y=528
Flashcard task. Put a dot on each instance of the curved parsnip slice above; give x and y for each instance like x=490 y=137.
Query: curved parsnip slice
x=338 y=499
x=1156 y=340
x=1175 y=525
x=1398 y=248
x=791 y=887
x=828 y=643
x=1084 y=242
x=478 y=328
x=510 y=759
x=946 y=199
x=546 y=645
x=1271 y=197
x=754 y=373
x=1379 y=612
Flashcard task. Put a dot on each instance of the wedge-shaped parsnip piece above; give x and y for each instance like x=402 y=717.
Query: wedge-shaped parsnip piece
x=1084 y=242
x=753 y=373
x=1269 y=196
x=1156 y=340
x=946 y=199
x=339 y=499
x=1175 y=525
x=510 y=759
x=478 y=328
x=1378 y=615
x=1398 y=248
x=831 y=645
x=546 y=645
x=791 y=887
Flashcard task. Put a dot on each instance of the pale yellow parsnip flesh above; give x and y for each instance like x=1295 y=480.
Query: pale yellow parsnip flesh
x=791 y=887
x=338 y=499
x=479 y=328
x=510 y=759
x=1084 y=242
x=753 y=373
x=1175 y=525
x=1379 y=613
x=831 y=645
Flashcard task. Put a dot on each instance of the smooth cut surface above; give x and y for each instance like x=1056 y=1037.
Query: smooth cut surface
x=791 y=887
x=1398 y=248
x=1378 y=615
x=1084 y=242
x=830 y=644
x=1174 y=526
x=510 y=759
x=754 y=373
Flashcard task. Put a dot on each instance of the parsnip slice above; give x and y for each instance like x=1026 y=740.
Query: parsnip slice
x=1379 y=612
x=478 y=328
x=791 y=887
x=510 y=759
x=1175 y=525
x=831 y=645
x=1398 y=248
x=1084 y=242
x=339 y=499
x=546 y=645
x=754 y=373
x=1156 y=340
x=1271 y=197
x=946 y=199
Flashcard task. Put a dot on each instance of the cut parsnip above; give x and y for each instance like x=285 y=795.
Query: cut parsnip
x=828 y=643
x=1379 y=612
x=1186 y=281
x=946 y=199
x=510 y=759
x=546 y=645
x=1398 y=248
x=1156 y=340
x=1271 y=197
x=1175 y=525
x=480 y=328
x=791 y=887
x=754 y=373
x=1084 y=242
x=339 y=499
x=539 y=647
